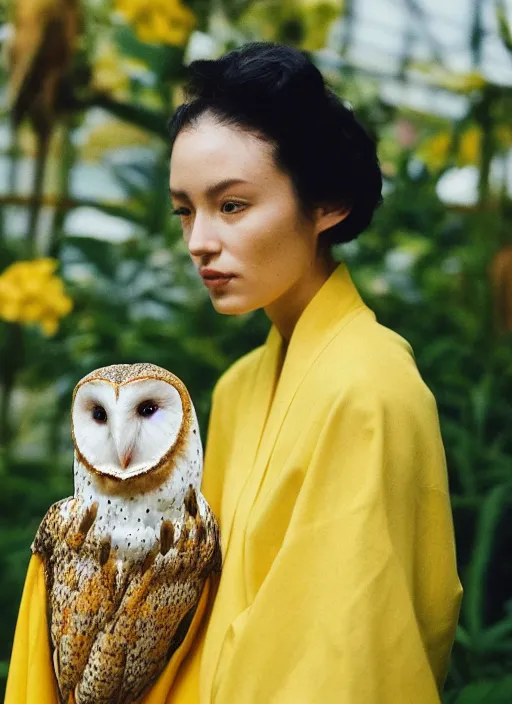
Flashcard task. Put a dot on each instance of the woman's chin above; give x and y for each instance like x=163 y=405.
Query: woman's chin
x=229 y=305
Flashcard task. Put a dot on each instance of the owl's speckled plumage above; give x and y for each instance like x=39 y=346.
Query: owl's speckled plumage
x=127 y=556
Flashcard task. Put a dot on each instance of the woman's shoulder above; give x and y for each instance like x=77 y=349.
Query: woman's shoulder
x=238 y=371
x=374 y=361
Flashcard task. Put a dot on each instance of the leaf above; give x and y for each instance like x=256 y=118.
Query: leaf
x=162 y=59
x=488 y=520
x=495 y=635
x=503 y=25
x=115 y=209
x=151 y=120
x=487 y=692
x=97 y=252
x=114 y=134
x=437 y=75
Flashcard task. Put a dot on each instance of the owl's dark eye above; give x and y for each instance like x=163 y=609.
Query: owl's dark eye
x=99 y=414
x=147 y=408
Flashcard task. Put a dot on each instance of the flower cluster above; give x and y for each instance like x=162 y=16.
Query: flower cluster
x=159 y=21
x=31 y=293
x=435 y=152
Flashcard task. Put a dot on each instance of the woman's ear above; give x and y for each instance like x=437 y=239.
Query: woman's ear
x=328 y=216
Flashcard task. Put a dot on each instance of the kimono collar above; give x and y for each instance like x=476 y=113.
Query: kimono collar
x=274 y=388
x=326 y=313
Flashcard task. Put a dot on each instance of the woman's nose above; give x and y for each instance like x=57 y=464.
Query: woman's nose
x=201 y=239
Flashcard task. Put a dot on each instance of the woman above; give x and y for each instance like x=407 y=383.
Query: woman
x=324 y=461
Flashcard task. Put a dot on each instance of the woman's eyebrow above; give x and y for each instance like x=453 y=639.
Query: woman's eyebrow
x=211 y=191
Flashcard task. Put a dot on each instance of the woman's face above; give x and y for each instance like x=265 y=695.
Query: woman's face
x=251 y=227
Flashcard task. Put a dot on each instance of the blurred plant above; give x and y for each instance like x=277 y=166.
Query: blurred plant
x=111 y=135
x=462 y=148
x=438 y=75
x=503 y=24
x=45 y=39
x=159 y=21
x=301 y=23
x=46 y=34
x=30 y=293
x=110 y=71
x=501 y=275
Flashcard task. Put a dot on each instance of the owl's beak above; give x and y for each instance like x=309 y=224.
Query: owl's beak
x=124 y=447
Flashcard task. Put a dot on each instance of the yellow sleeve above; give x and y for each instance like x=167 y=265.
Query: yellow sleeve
x=30 y=679
x=215 y=452
x=362 y=600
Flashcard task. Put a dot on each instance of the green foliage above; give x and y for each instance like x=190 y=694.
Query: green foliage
x=497 y=691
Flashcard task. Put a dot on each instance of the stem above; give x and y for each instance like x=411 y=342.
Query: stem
x=476 y=34
x=488 y=223
x=67 y=159
x=13 y=169
x=11 y=362
x=37 y=194
x=487 y=152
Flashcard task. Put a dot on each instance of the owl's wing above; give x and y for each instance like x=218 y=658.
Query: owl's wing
x=52 y=528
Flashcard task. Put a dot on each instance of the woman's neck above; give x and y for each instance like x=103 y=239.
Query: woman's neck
x=286 y=310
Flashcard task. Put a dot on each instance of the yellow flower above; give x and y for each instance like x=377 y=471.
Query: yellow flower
x=113 y=134
x=31 y=293
x=10 y=311
x=463 y=82
x=159 y=21
x=32 y=311
x=109 y=71
x=310 y=21
x=457 y=82
x=318 y=17
x=434 y=151
x=49 y=326
x=470 y=146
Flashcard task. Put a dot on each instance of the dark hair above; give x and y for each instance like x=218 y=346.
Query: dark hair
x=278 y=94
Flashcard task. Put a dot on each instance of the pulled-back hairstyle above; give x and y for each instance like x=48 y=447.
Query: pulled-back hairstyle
x=276 y=93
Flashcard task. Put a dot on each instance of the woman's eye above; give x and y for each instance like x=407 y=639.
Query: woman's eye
x=185 y=212
x=229 y=203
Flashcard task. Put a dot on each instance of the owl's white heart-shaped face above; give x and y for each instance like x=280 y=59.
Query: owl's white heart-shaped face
x=126 y=434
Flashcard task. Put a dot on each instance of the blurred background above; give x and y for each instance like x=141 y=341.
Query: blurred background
x=93 y=270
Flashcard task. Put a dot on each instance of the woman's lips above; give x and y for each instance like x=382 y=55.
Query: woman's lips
x=214 y=282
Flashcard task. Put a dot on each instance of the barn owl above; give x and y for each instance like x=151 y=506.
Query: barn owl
x=126 y=557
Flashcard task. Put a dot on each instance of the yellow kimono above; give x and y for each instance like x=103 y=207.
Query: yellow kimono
x=327 y=473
